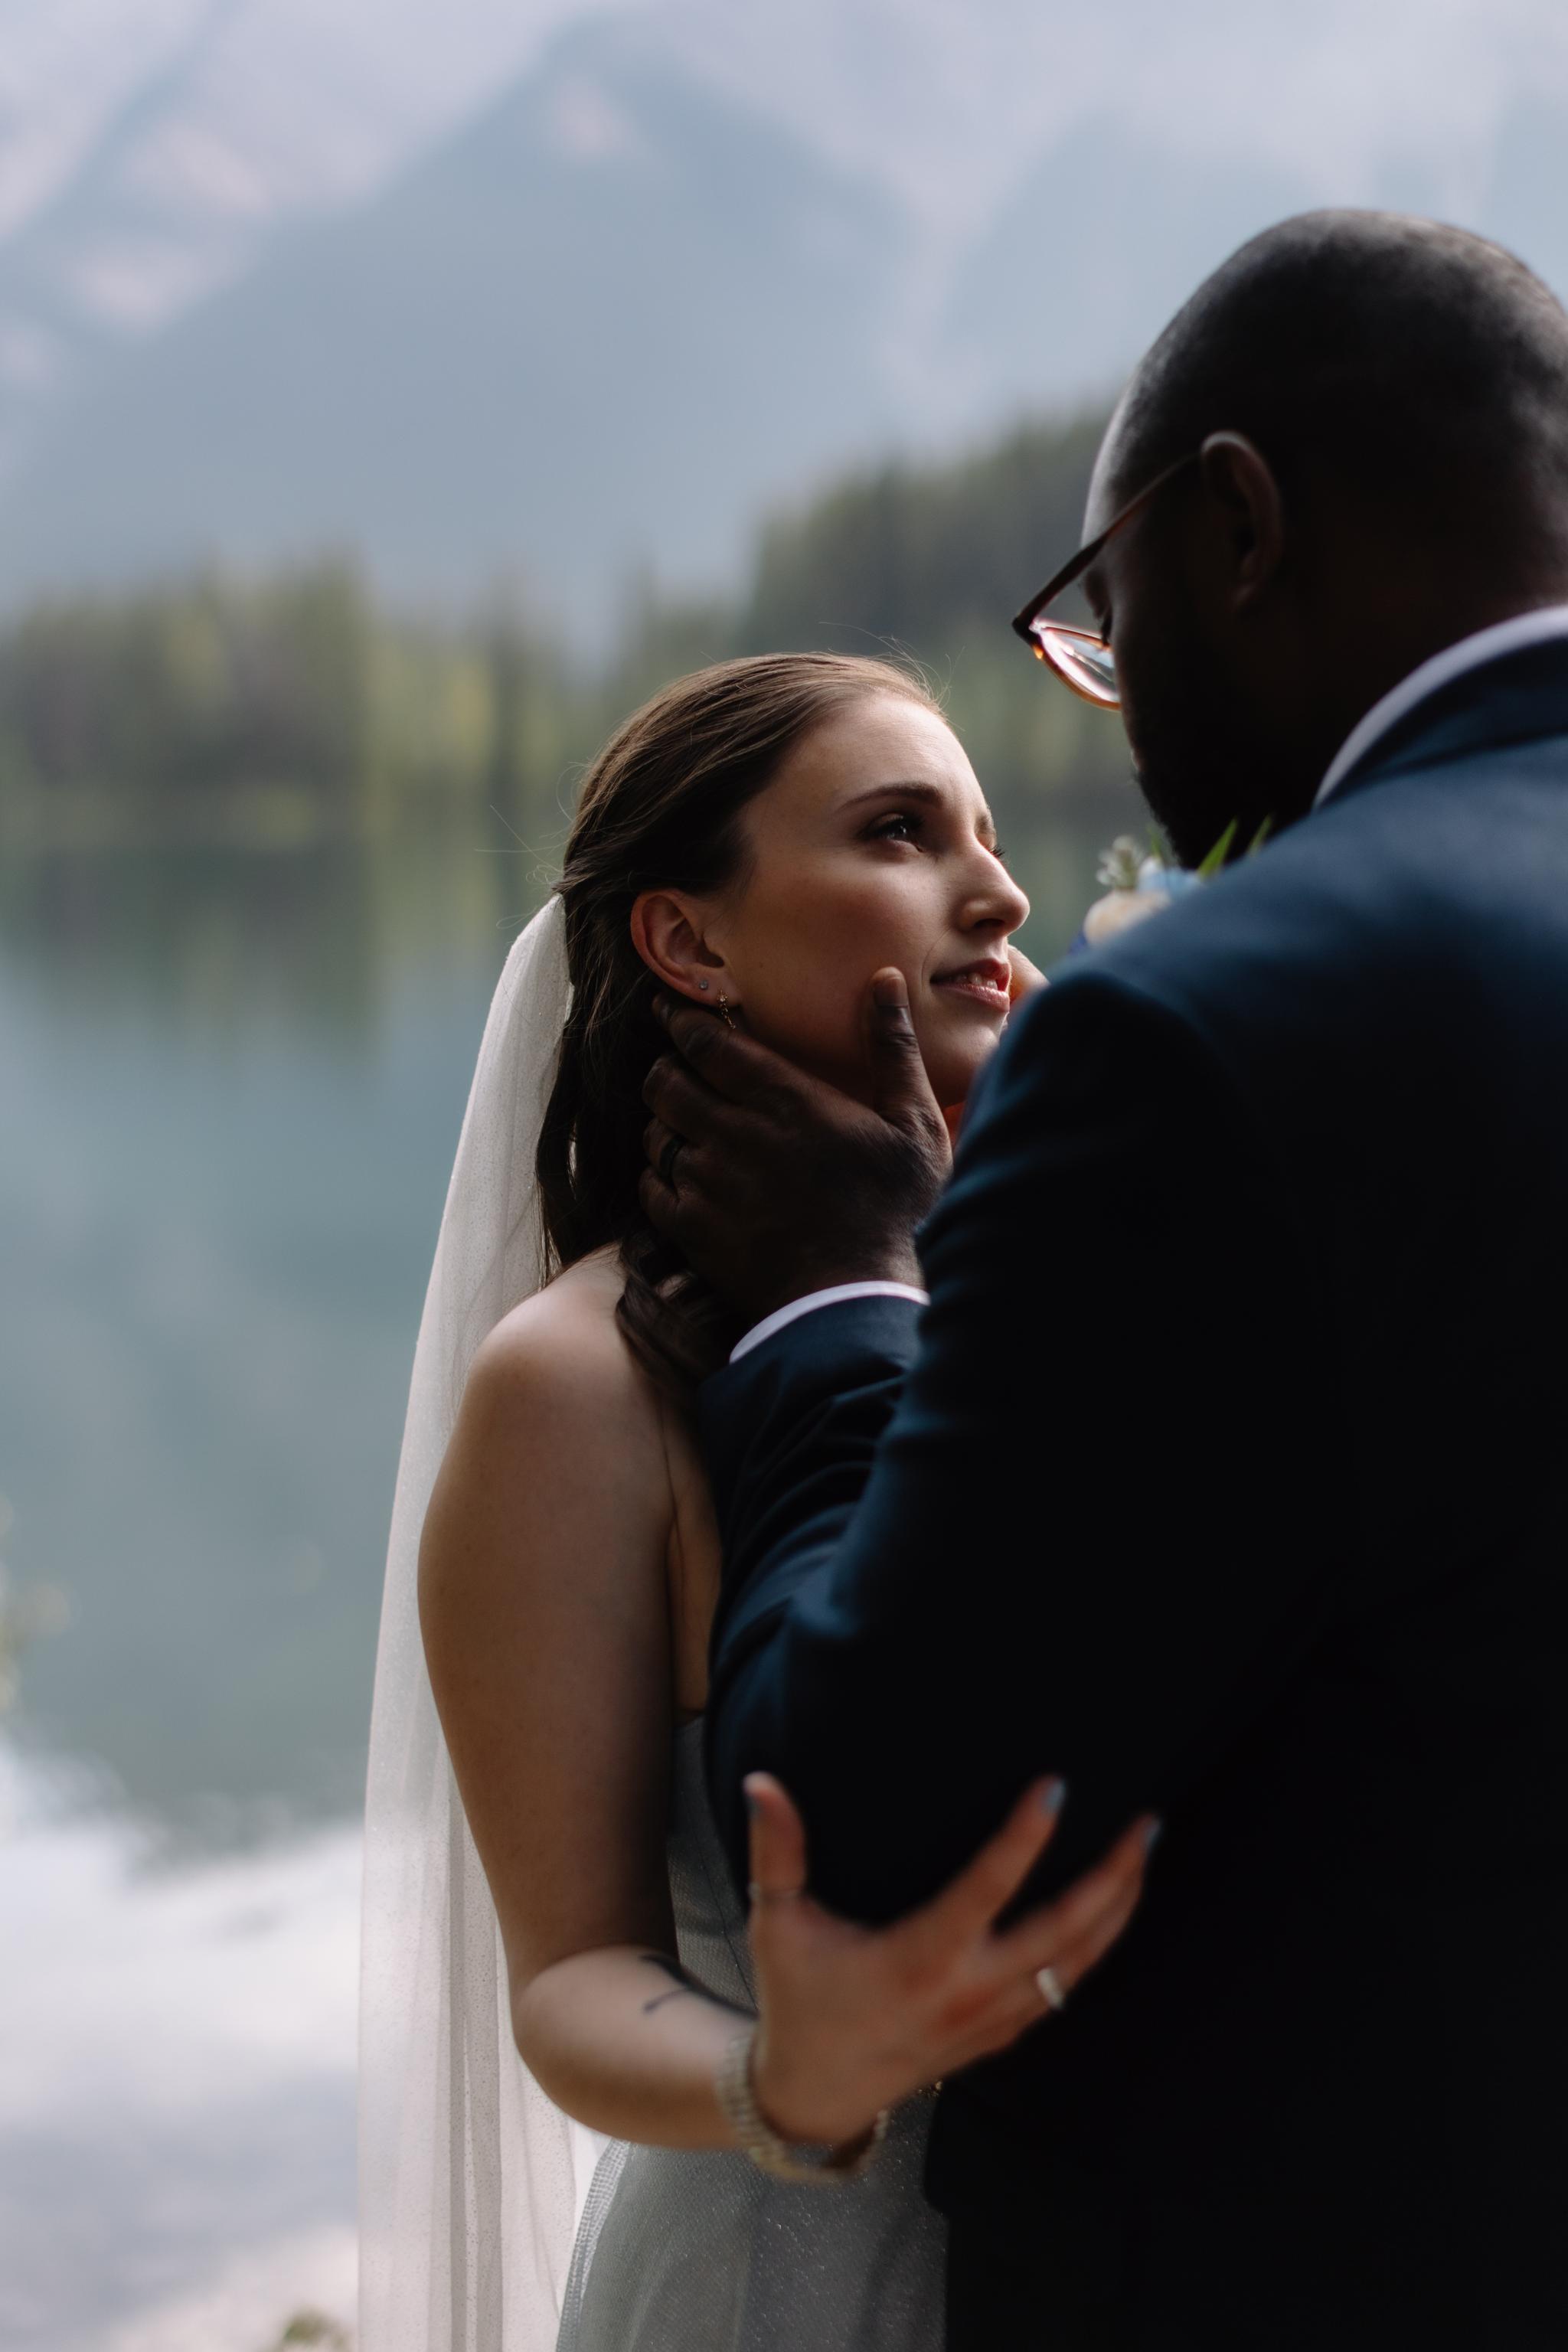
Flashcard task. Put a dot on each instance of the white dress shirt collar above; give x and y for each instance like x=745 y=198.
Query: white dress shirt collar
x=783 y=1315
x=1487 y=645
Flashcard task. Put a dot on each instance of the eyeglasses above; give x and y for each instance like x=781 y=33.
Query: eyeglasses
x=1080 y=658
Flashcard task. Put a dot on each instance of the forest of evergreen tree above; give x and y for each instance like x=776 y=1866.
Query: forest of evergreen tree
x=298 y=707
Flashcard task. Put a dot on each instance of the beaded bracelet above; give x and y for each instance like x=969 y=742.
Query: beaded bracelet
x=780 y=2158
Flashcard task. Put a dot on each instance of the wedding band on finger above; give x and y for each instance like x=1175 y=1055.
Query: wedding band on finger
x=774 y=1894
x=668 y=1157
x=1053 y=1992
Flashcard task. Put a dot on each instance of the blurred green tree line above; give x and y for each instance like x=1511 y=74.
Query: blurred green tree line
x=294 y=709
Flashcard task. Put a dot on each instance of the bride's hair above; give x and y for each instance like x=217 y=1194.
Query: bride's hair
x=661 y=809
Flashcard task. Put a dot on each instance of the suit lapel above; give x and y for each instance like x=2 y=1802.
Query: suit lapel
x=1517 y=698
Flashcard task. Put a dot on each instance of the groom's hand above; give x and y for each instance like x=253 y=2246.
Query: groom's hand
x=773 y=1184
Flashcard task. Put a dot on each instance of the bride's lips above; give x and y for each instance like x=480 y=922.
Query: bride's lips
x=987 y=981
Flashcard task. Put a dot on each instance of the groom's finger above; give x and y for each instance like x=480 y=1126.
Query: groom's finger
x=900 y=1090
x=732 y=1063
x=678 y=1098
x=661 y=1148
x=660 y=1204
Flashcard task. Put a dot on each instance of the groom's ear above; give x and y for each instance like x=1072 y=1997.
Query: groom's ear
x=1245 y=500
x=667 y=933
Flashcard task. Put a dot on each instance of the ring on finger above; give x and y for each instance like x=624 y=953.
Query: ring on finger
x=668 y=1157
x=1052 y=1990
x=774 y=1894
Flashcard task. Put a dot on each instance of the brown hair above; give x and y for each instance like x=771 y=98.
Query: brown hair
x=661 y=809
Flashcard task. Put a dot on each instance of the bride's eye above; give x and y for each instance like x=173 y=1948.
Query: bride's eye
x=899 y=827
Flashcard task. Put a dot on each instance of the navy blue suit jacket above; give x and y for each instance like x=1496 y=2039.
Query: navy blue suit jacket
x=1225 y=1475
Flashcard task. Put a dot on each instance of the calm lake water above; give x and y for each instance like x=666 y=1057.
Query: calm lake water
x=232 y=1084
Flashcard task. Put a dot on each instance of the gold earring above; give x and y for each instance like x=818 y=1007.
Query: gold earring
x=725 y=1014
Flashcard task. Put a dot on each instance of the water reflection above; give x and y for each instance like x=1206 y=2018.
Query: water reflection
x=234 y=1085
x=177 y=2119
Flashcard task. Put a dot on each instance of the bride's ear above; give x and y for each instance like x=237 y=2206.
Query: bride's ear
x=667 y=932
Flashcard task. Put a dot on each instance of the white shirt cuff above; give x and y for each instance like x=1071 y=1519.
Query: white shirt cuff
x=782 y=1316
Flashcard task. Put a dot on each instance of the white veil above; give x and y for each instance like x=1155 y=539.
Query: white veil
x=471 y=2180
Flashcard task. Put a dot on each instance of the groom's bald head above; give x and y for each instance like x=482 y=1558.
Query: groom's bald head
x=1424 y=365
x=1378 y=407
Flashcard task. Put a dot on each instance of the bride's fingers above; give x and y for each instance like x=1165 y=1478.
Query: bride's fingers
x=778 y=1841
x=1019 y=2003
x=1017 y=2008
x=1018 y=2011
x=969 y=1903
x=1057 y=1928
x=1074 y=1963
x=1026 y=977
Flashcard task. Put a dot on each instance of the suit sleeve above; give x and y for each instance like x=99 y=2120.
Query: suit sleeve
x=1053 y=1522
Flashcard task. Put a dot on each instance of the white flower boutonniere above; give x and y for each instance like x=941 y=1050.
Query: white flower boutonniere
x=1140 y=880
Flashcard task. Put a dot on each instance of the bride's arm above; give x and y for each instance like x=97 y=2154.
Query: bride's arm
x=546 y=1621
x=546 y=1618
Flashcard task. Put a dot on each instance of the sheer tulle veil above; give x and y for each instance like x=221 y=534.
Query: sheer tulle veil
x=471 y=2180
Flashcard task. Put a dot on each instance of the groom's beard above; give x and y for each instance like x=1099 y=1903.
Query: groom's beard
x=1202 y=769
x=1195 y=809
x=1211 y=750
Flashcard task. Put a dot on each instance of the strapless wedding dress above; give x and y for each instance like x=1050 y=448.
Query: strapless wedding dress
x=700 y=2252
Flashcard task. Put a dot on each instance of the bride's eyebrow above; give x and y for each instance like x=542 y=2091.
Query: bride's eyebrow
x=931 y=794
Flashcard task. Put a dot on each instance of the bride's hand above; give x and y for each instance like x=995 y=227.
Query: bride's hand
x=854 y=2018
x=1026 y=977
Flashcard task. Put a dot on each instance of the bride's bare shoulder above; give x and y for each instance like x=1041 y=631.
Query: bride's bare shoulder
x=565 y=1338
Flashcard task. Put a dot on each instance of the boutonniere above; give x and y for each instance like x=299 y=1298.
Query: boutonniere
x=1141 y=878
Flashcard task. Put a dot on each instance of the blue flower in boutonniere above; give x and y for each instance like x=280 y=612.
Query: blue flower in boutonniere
x=1139 y=881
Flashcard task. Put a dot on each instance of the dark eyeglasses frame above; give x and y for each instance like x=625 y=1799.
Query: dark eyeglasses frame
x=1026 y=622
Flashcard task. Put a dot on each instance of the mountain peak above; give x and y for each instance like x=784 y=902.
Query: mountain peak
x=572 y=289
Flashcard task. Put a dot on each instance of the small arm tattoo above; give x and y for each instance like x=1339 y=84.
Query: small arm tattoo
x=684 y=1985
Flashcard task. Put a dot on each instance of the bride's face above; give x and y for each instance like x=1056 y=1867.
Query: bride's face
x=872 y=845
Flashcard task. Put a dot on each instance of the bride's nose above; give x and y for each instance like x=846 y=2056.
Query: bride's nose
x=994 y=900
